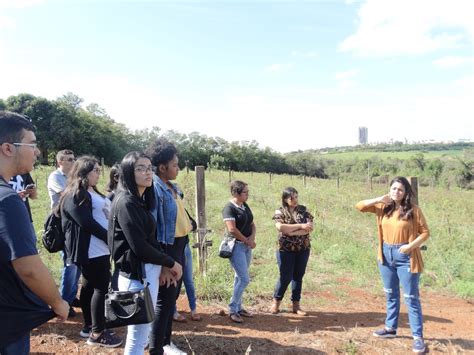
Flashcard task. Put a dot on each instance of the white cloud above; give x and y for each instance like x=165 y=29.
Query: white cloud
x=346 y=79
x=274 y=68
x=453 y=61
x=408 y=27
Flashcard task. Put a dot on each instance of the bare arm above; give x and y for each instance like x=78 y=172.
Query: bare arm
x=230 y=224
x=367 y=205
x=252 y=243
x=37 y=278
x=288 y=228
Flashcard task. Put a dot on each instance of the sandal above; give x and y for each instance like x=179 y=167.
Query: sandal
x=235 y=317
x=195 y=316
x=179 y=318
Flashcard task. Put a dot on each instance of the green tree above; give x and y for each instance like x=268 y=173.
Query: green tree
x=435 y=168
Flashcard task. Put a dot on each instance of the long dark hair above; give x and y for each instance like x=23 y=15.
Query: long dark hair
x=127 y=178
x=286 y=194
x=113 y=178
x=78 y=183
x=406 y=207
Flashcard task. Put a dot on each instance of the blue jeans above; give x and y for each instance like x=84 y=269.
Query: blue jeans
x=137 y=335
x=240 y=261
x=20 y=346
x=69 y=280
x=188 y=278
x=292 y=267
x=395 y=270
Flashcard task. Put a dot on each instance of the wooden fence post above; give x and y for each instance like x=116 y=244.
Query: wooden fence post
x=414 y=187
x=102 y=165
x=270 y=176
x=230 y=175
x=201 y=218
x=304 y=180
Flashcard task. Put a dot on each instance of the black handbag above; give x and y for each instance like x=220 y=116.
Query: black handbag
x=128 y=307
x=227 y=246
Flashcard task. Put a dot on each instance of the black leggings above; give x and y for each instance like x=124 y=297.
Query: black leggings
x=162 y=325
x=95 y=283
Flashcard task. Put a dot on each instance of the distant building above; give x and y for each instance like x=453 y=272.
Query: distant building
x=363 y=135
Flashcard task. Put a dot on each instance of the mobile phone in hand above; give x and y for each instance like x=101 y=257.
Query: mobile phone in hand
x=30 y=186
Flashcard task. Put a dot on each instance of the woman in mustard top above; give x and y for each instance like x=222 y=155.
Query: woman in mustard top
x=402 y=229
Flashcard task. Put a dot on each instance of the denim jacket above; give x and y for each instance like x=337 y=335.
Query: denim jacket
x=165 y=210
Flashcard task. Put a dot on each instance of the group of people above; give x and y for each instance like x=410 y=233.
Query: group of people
x=142 y=226
x=402 y=229
x=140 y=230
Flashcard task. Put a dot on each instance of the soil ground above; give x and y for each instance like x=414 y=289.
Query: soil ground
x=337 y=327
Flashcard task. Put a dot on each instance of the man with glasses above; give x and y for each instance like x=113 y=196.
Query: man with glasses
x=27 y=288
x=56 y=184
x=57 y=179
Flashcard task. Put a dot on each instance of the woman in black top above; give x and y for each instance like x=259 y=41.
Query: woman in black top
x=132 y=239
x=79 y=226
x=238 y=219
x=113 y=181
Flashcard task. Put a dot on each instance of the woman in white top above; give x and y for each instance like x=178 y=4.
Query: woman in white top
x=84 y=218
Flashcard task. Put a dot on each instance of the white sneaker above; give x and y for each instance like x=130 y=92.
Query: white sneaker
x=172 y=350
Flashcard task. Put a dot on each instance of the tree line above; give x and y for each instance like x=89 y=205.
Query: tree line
x=65 y=123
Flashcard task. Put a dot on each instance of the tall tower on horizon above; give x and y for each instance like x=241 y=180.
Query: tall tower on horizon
x=363 y=135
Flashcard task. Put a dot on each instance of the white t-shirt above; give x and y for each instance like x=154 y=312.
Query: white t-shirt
x=56 y=184
x=100 y=212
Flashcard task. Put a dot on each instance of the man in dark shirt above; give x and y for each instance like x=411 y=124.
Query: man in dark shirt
x=26 y=286
x=26 y=189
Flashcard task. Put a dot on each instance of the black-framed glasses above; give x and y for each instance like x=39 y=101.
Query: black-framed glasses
x=97 y=170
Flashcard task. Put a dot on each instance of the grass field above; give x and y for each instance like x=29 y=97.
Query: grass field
x=441 y=154
x=343 y=242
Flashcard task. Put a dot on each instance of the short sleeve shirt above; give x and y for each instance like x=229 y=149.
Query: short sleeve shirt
x=56 y=184
x=20 y=309
x=17 y=237
x=293 y=243
x=242 y=216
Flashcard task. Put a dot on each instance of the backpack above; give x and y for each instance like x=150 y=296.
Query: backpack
x=53 y=237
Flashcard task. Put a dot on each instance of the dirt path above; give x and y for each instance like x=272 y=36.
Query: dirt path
x=338 y=327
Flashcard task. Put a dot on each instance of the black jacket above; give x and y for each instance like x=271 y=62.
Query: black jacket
x=78 y=226
x=132 y=236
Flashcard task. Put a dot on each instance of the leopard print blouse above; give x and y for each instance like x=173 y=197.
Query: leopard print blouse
x=299 y=215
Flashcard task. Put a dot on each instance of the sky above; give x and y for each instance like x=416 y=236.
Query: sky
x=288 y=74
